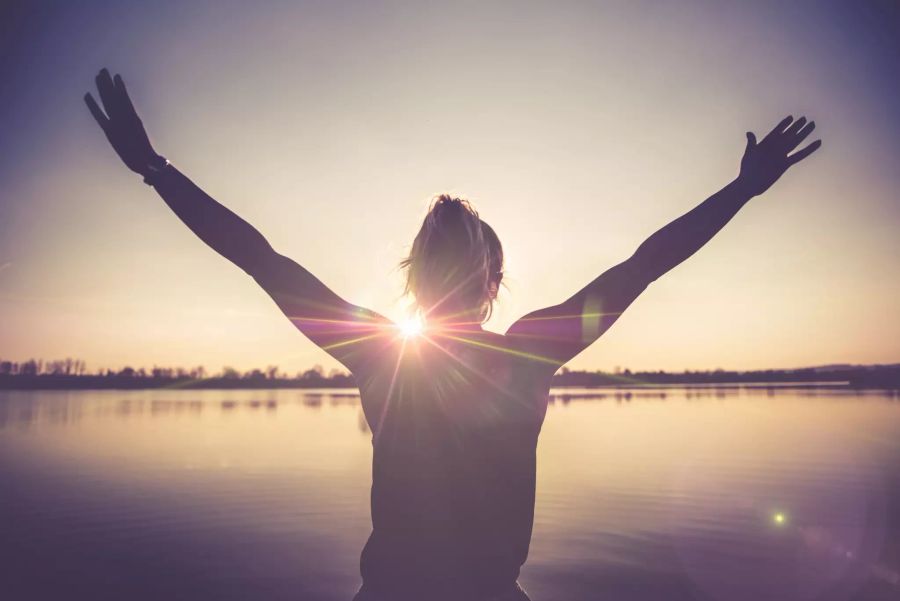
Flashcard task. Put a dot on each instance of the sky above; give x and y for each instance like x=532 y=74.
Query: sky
x=576 y=129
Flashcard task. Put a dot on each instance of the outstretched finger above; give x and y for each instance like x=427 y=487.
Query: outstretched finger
x=778 y=129
x=127 y=105
x=108 y=95
x=795 y=126
x=802 y=154
x=96 y=111
x=801 y=135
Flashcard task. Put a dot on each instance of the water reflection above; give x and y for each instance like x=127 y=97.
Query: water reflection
x=724 y=493
x=27 y=408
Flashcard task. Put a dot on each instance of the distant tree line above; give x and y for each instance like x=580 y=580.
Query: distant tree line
x=875 y=376
x=73 y=373
x=36 y=367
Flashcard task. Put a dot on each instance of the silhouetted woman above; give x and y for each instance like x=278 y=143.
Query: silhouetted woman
x=455 y=411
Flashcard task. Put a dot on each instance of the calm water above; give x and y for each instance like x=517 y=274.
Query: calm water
x=263 y=495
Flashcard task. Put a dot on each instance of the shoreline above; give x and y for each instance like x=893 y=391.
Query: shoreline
x=844 y=385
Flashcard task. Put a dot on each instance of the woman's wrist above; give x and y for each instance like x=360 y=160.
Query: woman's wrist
x=743 y=188
x=156 y=166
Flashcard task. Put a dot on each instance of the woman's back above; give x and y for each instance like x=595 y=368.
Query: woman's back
x=455 y=420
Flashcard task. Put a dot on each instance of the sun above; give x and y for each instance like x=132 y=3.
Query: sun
x=410 y=328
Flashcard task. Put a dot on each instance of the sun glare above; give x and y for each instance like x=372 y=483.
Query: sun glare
x=411 y=328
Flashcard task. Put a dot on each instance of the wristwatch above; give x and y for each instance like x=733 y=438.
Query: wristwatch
x=157 y=165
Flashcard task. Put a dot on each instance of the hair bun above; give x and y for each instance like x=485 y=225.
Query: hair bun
x=447 y=205
x=454 y=221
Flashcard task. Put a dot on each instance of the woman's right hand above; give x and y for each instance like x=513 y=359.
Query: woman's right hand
x=121 y=124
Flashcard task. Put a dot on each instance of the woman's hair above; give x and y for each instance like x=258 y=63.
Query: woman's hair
x=456 y=260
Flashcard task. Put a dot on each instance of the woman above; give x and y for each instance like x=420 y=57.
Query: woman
x=455 y=411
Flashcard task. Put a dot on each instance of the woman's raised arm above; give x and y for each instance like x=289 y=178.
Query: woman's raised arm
x=349 y=333
x=556 y=334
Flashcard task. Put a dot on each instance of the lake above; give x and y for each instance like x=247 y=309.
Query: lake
x=644 y=494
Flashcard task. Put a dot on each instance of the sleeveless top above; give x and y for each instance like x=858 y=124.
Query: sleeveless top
x=454 y=428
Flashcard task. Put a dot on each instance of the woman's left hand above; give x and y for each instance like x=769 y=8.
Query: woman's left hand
x=766 y=161
x=121 y=124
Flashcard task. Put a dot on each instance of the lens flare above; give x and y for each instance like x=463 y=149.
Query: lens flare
x=411 y=327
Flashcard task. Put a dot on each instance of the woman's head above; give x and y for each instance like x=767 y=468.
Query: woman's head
x=455 y=265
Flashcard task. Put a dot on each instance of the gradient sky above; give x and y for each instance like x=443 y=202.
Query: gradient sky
x=577 y=129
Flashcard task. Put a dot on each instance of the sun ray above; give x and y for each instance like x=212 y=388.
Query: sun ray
x=376 y=433
x=509 y=351
x=462 y=362
x=573 y=316
x=328 y=347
